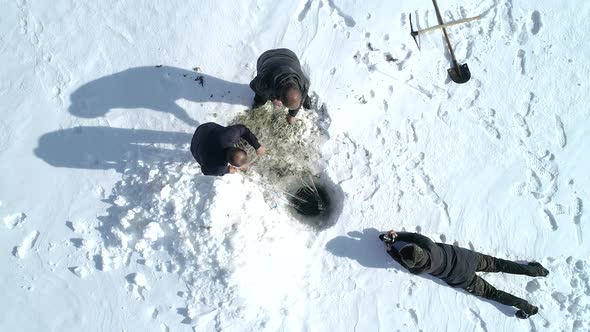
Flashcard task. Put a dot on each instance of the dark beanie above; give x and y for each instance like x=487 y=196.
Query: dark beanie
x=411 y=255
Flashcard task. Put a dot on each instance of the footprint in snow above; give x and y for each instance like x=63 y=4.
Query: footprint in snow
x=576 y=212
x=536 y=23
x=489 y=128
x=5 y=136
x=521 y=123
x=520 y=61
x=413 y=315
x=476 y=318
x=561 y=138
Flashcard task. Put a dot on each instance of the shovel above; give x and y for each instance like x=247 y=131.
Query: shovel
x=459 y=73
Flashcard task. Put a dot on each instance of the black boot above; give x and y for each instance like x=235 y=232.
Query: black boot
x=541 y=271
x=527 y=311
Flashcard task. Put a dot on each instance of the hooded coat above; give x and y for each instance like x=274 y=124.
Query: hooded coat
x=210 y=143
x=275 y=68
x=455 y=265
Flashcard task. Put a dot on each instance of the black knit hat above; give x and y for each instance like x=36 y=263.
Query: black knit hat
x=411 y=255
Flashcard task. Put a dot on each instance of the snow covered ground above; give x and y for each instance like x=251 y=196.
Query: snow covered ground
x=108 y=225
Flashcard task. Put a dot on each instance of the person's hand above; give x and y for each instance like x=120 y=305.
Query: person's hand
x=277 y=103
x=290 y=119
x=261 y=150
x=392 y=234
x=244 y=168
x=232 y=169
x=388 y=238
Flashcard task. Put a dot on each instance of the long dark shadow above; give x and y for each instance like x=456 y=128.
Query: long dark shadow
x=363 y=247
x=156 y=88
x=111 y=148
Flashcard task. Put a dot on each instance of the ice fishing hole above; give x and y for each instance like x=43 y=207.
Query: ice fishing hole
x=310 y=201
x=318 y=204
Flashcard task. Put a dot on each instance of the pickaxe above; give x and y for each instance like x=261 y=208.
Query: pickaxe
x=458 y=73
x=415 y=33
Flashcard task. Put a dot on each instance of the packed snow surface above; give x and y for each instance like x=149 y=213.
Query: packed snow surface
x=109 y=225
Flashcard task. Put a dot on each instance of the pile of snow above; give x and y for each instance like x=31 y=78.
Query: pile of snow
x=26 y=245
x=171 y=219
x=15 y=220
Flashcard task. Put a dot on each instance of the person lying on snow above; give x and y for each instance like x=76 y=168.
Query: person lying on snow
x=279 y=78
x=212 y=146
x=457 y=266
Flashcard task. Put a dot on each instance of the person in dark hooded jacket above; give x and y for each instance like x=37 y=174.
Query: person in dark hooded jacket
x=279 y=78
x=213 y=147
x=457 y=266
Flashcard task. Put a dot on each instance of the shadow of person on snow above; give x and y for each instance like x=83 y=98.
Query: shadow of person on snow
x=366 y=248
x=362 y=247
x=156 y=88
x=111 y=148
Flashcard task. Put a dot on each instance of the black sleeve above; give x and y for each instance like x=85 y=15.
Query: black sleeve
x=304 y=85
x=420 y=240
x=214 y=171
x=242 y=131
x=396 y=257
x=261 y=87
x=411 y=237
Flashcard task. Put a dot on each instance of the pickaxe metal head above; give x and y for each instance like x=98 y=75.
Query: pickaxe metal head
x=414 y=33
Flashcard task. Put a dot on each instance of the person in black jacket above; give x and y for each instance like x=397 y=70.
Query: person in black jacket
x=212 y=146
x=457 y=266
x=279 y=78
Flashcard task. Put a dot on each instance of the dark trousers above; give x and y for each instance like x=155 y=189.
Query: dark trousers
x=482 y=288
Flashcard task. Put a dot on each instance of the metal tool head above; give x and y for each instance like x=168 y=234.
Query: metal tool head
x=459 y=73
x=414 y=33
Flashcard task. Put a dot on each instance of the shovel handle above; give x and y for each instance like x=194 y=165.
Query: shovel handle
x=440 y=21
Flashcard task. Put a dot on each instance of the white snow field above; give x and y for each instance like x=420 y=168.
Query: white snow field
x=109 y=225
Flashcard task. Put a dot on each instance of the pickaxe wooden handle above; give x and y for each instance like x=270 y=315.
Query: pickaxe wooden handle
x=440 y=26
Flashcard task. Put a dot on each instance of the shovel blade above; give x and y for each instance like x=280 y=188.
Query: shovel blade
x=460 y=73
